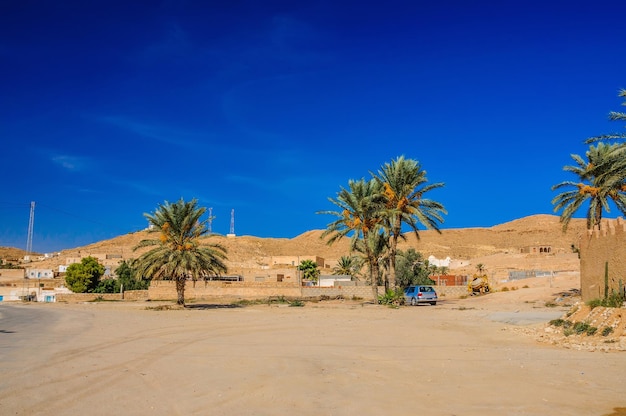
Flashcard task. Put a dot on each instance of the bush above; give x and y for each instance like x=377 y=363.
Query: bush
x=392 y=298
x=84 y=276
x=606 y=331
x=584 y=328
x=613 y=300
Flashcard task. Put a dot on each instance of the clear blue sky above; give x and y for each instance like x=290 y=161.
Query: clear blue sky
x=109 y=108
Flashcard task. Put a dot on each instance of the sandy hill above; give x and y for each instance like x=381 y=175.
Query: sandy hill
x=12 y=253
x=497 y=247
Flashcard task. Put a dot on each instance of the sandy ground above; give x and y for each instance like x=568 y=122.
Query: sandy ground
x=461 y=357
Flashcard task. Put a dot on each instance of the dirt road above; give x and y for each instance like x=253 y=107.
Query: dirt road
x=460 y=357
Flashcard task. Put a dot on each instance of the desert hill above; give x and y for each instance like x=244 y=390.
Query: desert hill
x=497 y=247
x=12 y=253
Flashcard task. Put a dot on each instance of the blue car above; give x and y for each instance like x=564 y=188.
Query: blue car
x=417 y=294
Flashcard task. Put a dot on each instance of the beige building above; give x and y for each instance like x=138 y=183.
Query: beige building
x=541 y=249
x=8 y=274
x=39 y=273
x=603 y=260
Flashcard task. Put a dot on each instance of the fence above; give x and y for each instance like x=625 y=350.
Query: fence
x=524 y=274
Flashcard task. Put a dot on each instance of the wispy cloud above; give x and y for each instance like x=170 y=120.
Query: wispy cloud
x=70 y=163
x=153 y=131
x=137 y=186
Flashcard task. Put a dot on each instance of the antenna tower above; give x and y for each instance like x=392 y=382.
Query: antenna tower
x=31 y=225
x=210 y=220
x=232 y=224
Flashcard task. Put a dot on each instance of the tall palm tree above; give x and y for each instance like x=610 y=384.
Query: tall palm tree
x=596 y=184
x=178 y=254
x=612 y=169
x=404 y=185
x=357 y=217
x=618 y=115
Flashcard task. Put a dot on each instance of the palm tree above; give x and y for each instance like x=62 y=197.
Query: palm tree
x=178 y=254
x=377 y=246
x=612 y=170
x=309 y=270
x=357 y=216
x=348 y=266
x=404 y=185
x=617 y=115
x=598 y=183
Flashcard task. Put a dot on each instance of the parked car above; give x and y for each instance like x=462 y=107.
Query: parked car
x=417 y=294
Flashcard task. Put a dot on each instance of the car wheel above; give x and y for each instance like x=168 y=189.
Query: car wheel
x=433 y=303
x=413 y=301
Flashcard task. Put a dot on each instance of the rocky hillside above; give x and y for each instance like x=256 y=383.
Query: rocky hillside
x=497 y=247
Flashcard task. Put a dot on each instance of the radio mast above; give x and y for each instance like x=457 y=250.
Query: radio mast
x=232 y=224
x=31 y=225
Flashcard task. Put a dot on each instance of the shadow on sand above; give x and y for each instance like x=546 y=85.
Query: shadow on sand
x=203 y=306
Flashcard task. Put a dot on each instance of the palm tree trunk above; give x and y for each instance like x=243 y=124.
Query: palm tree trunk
x=598 y=216
x=374 y=280
x=393 y=250
x=180 y=290
x=373 y=263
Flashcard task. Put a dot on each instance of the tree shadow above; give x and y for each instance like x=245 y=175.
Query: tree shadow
x=204 y=306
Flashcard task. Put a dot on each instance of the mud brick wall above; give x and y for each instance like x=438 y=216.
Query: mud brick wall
x=598 y=247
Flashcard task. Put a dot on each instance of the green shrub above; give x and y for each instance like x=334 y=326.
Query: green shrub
x=392 y=298
x=296 y=303
x=613 y=300
x=581 y=327
x=606 y=331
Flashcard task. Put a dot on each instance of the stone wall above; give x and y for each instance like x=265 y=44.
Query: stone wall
x=348 y=292
x=136 y=295
x=451 y=292
x=166 y=290
x=600 y=247
x=86 y=297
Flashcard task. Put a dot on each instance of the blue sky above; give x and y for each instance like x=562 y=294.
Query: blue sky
x=268 y=107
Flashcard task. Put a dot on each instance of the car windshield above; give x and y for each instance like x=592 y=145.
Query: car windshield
x=427 y=289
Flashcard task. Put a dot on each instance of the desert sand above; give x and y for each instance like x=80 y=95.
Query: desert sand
x=474 y=356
